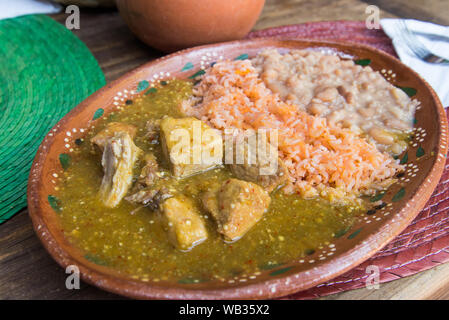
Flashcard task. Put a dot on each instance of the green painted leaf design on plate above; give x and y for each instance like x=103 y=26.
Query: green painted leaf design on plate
x=340 y=233
x=151 y=90
x=354 y=234
x=142 y=85
x=420 y=152
x=95 y=259
x=242 y=57
x=409 y=91
x=55 y=203
x=280 y=271
x=98 y=114
x=64 y=159
x=377 y=197
x=363 y=62
x=187 y=66
x=399 y=195
x=197 y=74
x=404 y=159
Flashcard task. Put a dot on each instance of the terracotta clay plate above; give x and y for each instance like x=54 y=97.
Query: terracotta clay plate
x=424 y=160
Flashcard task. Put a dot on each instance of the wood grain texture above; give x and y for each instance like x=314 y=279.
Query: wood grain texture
x=28 y=272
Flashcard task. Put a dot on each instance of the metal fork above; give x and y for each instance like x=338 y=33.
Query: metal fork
x=417 y=48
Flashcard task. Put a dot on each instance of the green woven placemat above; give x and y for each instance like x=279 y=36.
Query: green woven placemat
x=45 y=71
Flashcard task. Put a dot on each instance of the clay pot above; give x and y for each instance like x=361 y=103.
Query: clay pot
x=177 y=24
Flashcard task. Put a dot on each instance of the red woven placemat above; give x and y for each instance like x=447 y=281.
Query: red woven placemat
x=425 y=242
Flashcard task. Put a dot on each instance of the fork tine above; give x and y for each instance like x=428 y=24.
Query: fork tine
x=412 y=43
x=415 y=46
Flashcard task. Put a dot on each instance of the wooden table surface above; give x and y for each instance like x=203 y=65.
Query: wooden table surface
x=28 y=272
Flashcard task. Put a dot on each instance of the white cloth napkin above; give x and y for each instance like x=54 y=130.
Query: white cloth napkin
x=15 y=8
x=436 y=39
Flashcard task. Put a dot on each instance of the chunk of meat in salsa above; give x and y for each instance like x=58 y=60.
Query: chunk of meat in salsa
x=150 y=197
x=184 y=140
x=119 y=156
x=236 y=206
x=184 y=223
x=111 y=129
x=266 y=168
x=153 y=128
x=149 y=173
